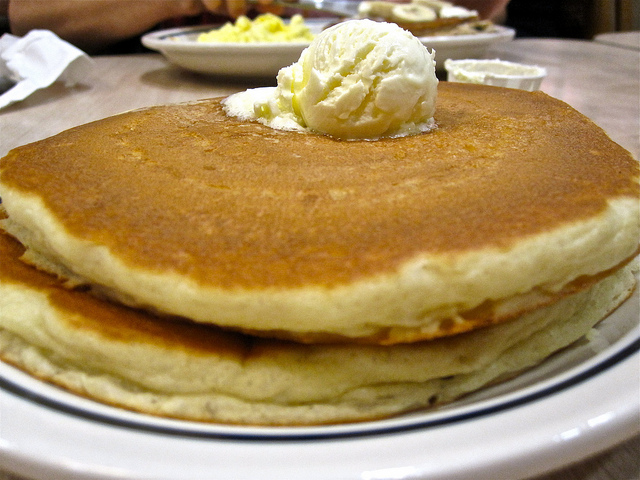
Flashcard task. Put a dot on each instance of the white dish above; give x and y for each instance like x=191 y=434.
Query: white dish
x=180 y=47
x=581 y=401
x=495 y=72
x=458 y=47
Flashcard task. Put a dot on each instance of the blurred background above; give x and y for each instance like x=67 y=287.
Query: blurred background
x=572 y=18
x=546 y=18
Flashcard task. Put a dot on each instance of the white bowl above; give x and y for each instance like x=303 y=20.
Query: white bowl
x=496 y=72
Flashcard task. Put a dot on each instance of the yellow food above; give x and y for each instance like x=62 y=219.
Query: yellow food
x=265 y=28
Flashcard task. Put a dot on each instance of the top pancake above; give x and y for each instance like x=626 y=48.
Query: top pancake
x=237 y=224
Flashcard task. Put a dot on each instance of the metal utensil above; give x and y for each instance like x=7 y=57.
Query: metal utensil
x=335 y=8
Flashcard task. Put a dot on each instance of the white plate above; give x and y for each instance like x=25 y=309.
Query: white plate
x=458 y=47
x=581 y=401
x=180 y=47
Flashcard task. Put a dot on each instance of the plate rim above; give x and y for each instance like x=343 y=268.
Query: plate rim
x=422 y=454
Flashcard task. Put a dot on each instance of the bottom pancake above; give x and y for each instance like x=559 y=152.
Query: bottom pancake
x=172 y=368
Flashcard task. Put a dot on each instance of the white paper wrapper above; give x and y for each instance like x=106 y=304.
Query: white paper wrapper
x=495 y=72
x=37 y=60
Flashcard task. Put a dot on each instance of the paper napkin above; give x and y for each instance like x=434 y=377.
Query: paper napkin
x=35 y=61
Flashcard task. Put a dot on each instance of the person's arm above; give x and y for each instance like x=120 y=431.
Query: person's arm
x=93 y=24
x=4 y=16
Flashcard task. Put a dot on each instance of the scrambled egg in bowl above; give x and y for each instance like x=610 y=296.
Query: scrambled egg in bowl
x=265 y=28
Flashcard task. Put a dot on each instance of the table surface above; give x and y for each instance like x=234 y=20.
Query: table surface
x=599 y=79
x=620 y=39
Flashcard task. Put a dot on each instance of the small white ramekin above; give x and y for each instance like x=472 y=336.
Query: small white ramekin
x=496 y=72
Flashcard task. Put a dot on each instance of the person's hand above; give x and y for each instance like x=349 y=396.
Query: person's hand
x=94 y=24
x=235 y=8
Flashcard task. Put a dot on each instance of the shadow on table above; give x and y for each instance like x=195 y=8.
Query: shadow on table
x=171 y=77
x=50 y=94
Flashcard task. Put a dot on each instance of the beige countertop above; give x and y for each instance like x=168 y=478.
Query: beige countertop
x=620 y=39
x=599 y=79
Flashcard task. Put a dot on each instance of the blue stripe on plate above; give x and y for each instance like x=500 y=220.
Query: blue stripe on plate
x=318 y=433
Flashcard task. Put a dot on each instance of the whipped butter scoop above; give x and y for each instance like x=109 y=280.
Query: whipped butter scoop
x=359 y=79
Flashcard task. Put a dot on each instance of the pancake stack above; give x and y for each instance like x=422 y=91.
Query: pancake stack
x=179 y=262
